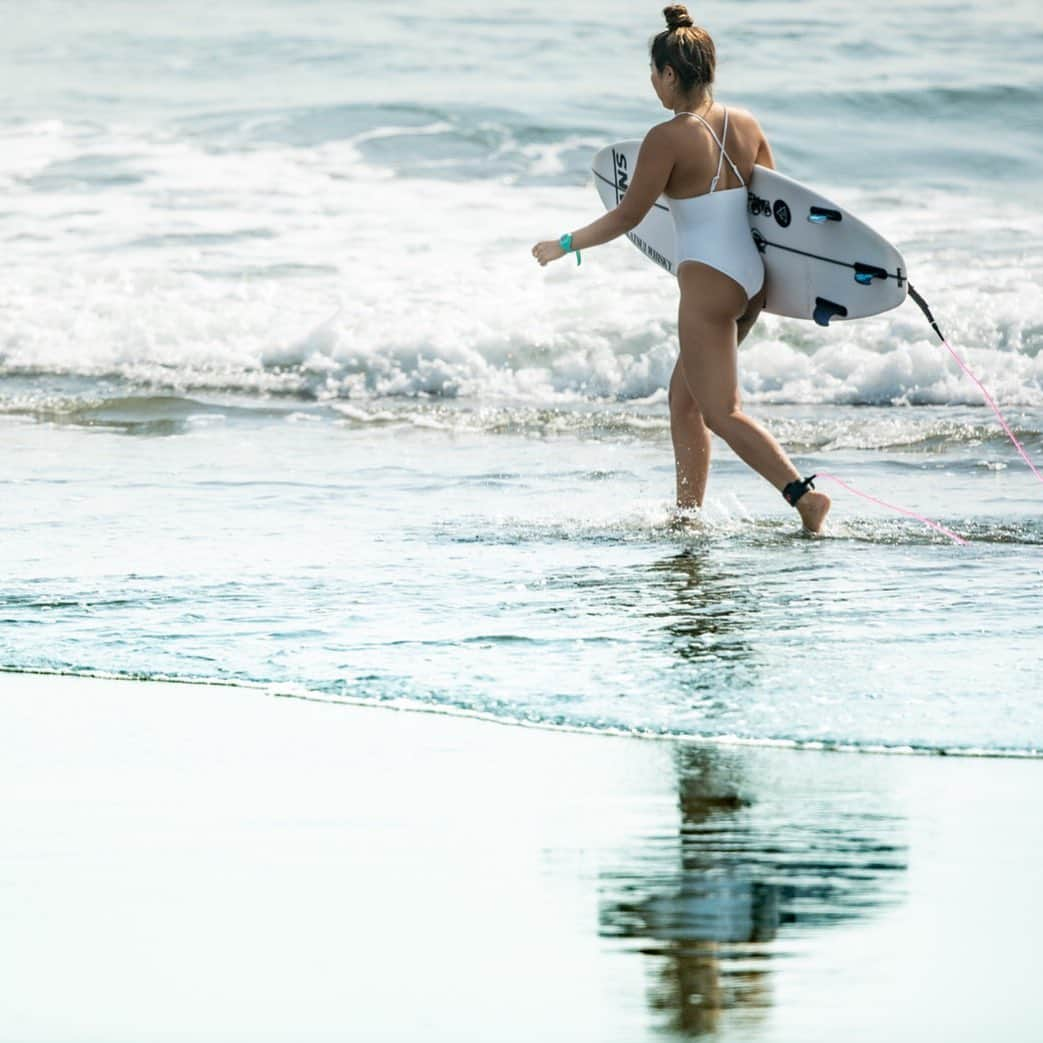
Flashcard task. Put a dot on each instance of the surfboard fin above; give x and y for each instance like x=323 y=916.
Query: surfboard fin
x=826 y=310
x=866 y=273
x=819 y=215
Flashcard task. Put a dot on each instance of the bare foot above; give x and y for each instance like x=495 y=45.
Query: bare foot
x=813 y=507
x=686 y=516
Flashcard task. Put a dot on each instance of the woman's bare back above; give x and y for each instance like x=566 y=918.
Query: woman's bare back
x=696 y=154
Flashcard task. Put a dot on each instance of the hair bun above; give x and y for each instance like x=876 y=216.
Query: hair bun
x=677 y=17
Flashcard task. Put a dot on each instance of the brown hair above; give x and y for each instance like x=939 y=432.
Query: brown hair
x=686 y=48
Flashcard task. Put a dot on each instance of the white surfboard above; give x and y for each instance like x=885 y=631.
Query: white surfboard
x=820 y=262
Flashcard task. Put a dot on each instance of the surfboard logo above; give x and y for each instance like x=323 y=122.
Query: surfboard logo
x=651 y=252
x=622 y=176
x=782 y=213
x=758 y=206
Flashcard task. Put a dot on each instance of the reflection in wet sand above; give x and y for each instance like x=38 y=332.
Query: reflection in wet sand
x=754 y=862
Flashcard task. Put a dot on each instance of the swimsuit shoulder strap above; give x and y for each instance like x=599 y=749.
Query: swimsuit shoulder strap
x=720 y=144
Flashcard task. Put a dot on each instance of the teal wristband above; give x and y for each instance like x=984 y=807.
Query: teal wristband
x=565 y=242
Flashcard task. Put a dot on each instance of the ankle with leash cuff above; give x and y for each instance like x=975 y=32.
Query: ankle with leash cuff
x=795 y=490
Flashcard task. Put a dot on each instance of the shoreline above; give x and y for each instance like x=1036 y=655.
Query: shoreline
x=274 y=690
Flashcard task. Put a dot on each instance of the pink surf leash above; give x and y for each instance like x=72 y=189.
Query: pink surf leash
x=922 y=304
x=894 y=507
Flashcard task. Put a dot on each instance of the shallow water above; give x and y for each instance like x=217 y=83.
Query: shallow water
x=285 y=400
x=529 y=573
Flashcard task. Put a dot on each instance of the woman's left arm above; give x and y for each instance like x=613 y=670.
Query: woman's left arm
x=655 y=162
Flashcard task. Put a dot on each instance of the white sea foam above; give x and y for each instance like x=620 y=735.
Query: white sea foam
x=276 y=268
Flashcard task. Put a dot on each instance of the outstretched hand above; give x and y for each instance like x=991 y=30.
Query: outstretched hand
x=547 y=251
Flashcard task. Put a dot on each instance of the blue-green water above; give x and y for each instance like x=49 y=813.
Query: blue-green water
x=284 y=399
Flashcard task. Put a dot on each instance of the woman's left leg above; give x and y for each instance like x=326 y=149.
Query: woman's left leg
x=711 y=304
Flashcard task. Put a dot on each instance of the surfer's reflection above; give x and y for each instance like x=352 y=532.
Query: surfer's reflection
x=706 y=608
x=706 y=612
x=711 y=903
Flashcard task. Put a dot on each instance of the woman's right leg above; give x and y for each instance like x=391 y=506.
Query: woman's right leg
x=711 y=303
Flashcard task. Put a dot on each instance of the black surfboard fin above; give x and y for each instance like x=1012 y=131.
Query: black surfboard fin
x=826 y=310
x=866 y=273
x=819 y=215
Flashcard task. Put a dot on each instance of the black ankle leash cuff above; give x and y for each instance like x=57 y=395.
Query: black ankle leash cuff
x=795 y=490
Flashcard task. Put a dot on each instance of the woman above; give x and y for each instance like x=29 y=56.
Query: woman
x=702 y=159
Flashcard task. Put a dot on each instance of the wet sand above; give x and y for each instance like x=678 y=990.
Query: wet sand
x=186 y=862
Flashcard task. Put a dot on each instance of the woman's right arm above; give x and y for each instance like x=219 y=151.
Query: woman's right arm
x=655 y=162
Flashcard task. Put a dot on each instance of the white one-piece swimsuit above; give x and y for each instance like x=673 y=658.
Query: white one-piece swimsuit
x=713 y=228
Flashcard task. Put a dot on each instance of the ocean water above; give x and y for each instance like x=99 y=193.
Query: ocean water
x=285 y=401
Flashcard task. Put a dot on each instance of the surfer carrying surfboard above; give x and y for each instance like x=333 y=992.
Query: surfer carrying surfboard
x=702 y=161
